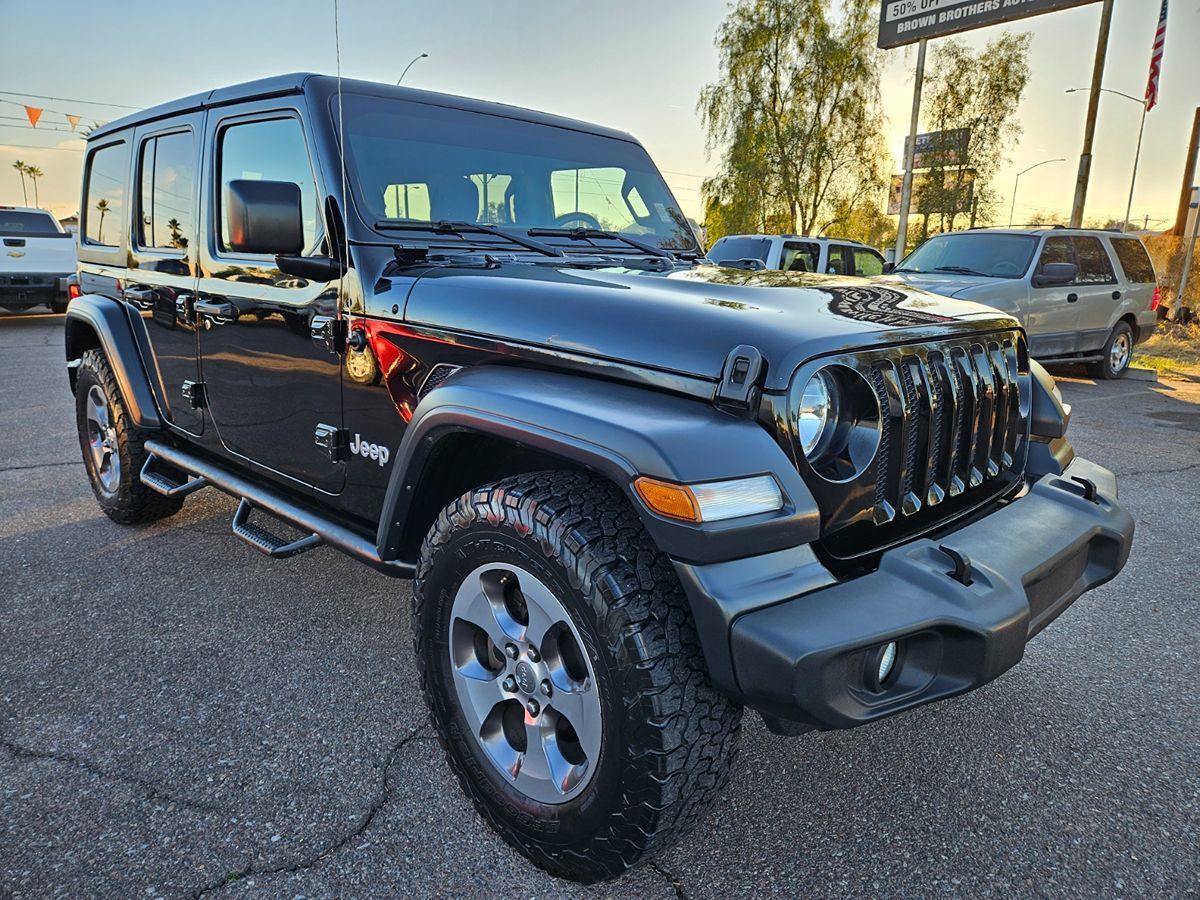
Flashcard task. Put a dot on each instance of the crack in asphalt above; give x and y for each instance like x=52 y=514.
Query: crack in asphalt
x=1176 y=471
x=72 y=462
x=680 y=893
x=150 y=789
x=364 y=822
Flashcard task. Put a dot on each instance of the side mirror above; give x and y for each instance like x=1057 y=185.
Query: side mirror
x=887 y=268
x=264 y=217
x=1055 y=275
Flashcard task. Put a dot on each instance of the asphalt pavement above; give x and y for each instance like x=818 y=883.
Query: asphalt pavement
x=180 y=716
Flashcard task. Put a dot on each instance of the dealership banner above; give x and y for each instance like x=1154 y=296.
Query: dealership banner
x=940 y=149
x=908 y=21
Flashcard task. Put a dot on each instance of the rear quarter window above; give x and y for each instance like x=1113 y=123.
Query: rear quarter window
x=1135 y=261
x=104 y=210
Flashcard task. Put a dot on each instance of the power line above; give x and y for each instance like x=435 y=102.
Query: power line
x=5 y=146
x=70 y=100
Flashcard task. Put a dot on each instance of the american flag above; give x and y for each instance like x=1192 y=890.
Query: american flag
x=1156 y=58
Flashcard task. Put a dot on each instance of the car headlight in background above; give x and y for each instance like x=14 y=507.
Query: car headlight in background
x=836 y=421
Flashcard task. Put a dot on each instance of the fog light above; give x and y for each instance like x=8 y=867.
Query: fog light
x=887 y=661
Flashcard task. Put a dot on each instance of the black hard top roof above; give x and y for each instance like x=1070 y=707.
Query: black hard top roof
x=298 y=82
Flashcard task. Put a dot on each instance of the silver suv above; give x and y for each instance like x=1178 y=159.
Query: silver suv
x=1083 y=296
x=796 y=253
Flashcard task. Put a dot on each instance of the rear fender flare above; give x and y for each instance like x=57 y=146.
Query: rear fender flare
x=93 y=320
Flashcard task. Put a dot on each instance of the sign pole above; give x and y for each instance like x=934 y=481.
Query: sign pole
x=1085 y=158
x=910 y=150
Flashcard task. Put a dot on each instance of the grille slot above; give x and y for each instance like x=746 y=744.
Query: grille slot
x=956 y=416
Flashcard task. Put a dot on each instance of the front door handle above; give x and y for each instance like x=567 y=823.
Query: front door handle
x=218 y=309
x=1071 y=298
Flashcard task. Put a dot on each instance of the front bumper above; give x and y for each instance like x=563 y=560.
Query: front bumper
x=806 y=659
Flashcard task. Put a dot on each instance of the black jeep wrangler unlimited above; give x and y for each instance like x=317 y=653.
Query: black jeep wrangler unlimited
x=479 y=347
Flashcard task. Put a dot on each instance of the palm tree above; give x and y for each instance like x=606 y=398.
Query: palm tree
x=34 y=174
x=102 y=206
x=21 y=167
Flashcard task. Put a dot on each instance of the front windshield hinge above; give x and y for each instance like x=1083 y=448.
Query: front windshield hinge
x=738 y=390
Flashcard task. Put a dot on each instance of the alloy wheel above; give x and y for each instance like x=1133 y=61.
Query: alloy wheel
x=1118 y=355
x=524 y=682
x=102 y=441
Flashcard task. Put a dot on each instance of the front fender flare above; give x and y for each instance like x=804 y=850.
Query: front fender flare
x=103 y=317
x=619 y=431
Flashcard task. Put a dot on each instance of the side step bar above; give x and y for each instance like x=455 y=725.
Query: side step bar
x=163 y=484
x=254 y=496
x=265 y=542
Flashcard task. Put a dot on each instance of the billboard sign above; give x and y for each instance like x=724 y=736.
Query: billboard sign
x=940 y=149
x=908 y=21
x=954 y=194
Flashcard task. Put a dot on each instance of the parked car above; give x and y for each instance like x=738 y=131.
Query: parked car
x=1082 y=296
x=36 y=259
x=797 y=253
x=637 y=492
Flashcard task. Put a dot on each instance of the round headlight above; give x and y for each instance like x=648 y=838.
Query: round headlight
x=816 y=414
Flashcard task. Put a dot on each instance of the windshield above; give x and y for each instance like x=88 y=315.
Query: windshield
x=974 y=253
x=28 y=224
x=419 y=163
x=731 y=249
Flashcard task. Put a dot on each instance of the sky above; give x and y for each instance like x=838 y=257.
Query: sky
x=637 y=66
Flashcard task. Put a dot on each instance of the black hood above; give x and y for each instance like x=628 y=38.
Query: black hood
x=687 y=320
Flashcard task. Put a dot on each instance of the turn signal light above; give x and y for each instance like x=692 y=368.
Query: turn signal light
x=674 y=500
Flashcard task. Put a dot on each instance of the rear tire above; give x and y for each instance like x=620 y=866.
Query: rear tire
x=58 y=306
x=655 y=742
x=114 y=448
x=1118 y=352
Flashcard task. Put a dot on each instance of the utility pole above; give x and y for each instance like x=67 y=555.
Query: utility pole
x=1177 y=306
x=910 y=151
x=1189 y=178
x=1089 y=134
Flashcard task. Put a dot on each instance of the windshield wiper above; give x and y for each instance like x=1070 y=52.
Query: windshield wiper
x=961 y=270
x=461 y=228
x=583 y=234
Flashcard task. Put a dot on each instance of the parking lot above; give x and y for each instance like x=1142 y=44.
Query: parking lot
x=180 y=716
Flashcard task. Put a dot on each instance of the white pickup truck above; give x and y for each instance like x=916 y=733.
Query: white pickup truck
x=37 y=258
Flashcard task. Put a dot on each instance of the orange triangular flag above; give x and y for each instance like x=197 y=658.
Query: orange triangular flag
x=34 y=114
x=74 y=120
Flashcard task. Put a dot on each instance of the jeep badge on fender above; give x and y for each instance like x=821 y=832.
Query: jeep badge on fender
x=637 y=492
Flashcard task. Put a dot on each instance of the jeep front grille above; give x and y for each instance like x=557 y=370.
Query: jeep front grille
x=953 y=417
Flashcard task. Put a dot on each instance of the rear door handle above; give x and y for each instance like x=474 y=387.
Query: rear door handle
x=1071 y=298
x=221 y=309
x=142 y=298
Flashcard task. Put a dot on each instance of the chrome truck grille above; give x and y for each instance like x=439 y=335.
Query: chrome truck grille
x=952 y=420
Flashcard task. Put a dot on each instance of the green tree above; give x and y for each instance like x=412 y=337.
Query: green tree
x=795 y=114
x=102 y=208
x=22 y=169
x=34 y=174
x=979 y=92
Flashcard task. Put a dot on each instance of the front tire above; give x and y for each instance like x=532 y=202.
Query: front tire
x=114 y=447
x=1118 y=353
x=564 y=674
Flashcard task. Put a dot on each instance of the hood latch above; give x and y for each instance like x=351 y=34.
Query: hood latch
x=738 y=391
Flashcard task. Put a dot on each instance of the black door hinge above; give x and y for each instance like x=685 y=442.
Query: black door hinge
x=329 y=333
x=335 y=441
x=195 y=393
x=738 y=391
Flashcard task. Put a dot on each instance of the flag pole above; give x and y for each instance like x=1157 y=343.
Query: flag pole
x=1136 y=159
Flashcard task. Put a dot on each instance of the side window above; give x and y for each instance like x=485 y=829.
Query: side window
x=1094 y=265
x=837 y=260
x=1055 y=250
x=268 y=150
x=1135 y=261
x=104 y=211
x=166 y=172
x=867 y=264
x=800 y=257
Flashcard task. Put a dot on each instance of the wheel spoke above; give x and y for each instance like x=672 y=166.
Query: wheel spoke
x=539 y=601
x=482 y=694
x=97 y=408
x=479 y=611
x=582 y=709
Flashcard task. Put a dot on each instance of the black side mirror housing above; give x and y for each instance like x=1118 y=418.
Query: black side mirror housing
x=888 y=267
x=1055 y=275
x=264 y=217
